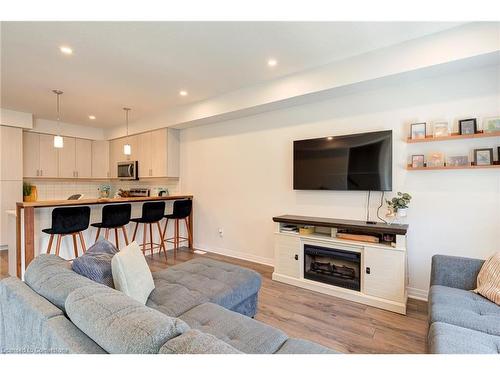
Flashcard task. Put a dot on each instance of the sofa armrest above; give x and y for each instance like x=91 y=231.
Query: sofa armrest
x=455 y=272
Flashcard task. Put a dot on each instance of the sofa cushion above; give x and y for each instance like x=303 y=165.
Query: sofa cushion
x=241 y=332
x=184 y=286
x=196 y=342
x=120 y=324
x=52 y=278
x=299 y=346
x=449 y=339
x=95 y=263
x=131 y=274
x=488 y=280
x=463 y=308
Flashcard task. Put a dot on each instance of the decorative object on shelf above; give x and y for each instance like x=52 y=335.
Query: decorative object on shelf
x=29 y=192
x=483 y=156
x=440 y=129
x=58 y=139
x=306 y=230
x=127 y=148
x=457 y=161
x=398 y=205
x=435 y=159
x=467 y=126
x=104 y=190
x=491 y=124
x=417 y=161
x=418 y=130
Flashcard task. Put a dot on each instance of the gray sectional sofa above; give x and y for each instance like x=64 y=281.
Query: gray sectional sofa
x=201 y=306
x=461 y=321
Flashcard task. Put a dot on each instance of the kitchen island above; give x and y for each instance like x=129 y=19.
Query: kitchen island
x=25 y=221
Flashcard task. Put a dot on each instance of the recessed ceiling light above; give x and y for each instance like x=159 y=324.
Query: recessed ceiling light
x=91 y=117
x=66 y=50
x=272 y=62
x=183 y=93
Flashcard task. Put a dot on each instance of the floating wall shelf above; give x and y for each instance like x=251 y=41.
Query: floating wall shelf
x=410 y=168
x=453 y=136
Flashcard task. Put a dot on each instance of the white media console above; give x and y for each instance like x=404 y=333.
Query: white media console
x=371 y=273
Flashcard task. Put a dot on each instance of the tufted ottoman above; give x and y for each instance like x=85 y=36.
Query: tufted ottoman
x=181 y=287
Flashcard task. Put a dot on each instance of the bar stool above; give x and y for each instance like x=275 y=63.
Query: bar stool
x=68 y=221
x=182 y=210
x=152 y=213
x=114 y=216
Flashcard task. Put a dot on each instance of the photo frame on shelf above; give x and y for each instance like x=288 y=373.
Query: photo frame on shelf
x=418 y=130
x=417 y=161
x=491 y=124
x=483 y=156
x=435 y=159
x=467 y=126
x=440 y=129
x=457 y=161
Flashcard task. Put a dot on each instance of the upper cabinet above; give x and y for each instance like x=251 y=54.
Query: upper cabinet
x=157 y=153
x=83 y=158
x=11 y=154
x=100 y=159
x=40 y=158
x=67 y=159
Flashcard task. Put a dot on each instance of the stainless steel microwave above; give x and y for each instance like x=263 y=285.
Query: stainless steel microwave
x=127 y=170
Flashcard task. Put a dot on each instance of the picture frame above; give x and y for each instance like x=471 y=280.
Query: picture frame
x=491 y=124
x=417 y=161
x=457 y=161
x=440 y=129
x=483 y=156
x=435 y=159
x=467 y=126
x=418 y=130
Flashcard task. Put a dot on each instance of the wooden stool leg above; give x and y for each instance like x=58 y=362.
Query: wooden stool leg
x=165 y=229
x=58 y=244
x=135 y=231
x=124 y=231
x=75 y=246
x=144 y=238
x=82 y=242
x=117 y=242
x=106 y=234
x=151 y=237
x=98 y=233
x=176 y=235
x=51 y=239
x=162 y=243
x=188 y=231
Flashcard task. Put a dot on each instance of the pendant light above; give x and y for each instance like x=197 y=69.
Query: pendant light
x=58 y=140
x=127 y=149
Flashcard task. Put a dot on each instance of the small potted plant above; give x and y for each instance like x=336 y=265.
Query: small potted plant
x=104 y=190
x=399 y=204
x=29 y=192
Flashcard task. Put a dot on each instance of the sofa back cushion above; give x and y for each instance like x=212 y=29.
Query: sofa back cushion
x=118 y=323
x=52 y=278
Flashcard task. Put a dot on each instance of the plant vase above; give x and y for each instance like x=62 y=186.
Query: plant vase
x=402 y=212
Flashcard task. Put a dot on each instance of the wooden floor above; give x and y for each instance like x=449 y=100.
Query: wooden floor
x=342 y=325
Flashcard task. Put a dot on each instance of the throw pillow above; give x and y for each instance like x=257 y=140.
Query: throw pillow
x=488 y=279
x=131 y=274
x=95 y=264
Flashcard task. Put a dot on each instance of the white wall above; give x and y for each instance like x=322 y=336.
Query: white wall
x=240 y=171
x=68 y=130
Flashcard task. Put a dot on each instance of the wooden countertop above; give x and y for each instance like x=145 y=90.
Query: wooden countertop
x=342 y=223
x=83 y=202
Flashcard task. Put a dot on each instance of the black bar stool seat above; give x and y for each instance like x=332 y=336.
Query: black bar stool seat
x=182 y=210
x=68 y=221
x=152 y=213
x=114 y=216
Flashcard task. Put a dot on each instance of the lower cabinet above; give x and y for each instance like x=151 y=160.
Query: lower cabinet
x=288 y=255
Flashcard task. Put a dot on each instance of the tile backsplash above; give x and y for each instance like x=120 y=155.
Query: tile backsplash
x=49 y=189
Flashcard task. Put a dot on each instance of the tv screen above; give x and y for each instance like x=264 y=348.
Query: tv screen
x=348 y=162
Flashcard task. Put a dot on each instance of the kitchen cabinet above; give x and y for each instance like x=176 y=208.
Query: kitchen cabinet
x=100 y=159
x=67 y=158
x=31 y=154
x=48 y=156
x=144 y=154
x=83 y=158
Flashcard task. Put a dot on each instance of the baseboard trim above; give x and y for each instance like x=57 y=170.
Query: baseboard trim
x=236 y=254
x=420 y=294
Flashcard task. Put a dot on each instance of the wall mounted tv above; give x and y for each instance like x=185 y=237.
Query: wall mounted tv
x=347 y=162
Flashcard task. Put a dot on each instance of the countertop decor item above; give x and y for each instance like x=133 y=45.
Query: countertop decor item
x=29 y=192
x=104 y=190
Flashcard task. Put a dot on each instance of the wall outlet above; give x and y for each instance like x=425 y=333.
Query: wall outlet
x=221 y=232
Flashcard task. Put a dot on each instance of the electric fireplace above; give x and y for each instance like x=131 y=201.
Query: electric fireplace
x=332 y=266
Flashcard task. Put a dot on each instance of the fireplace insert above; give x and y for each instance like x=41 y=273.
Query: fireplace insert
x=332 y=266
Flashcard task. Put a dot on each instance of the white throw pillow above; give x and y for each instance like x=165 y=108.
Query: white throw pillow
x=131 y=274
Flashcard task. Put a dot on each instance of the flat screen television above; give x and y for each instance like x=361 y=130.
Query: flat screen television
x=347 y=162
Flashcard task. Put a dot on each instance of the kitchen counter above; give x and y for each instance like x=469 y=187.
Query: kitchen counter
x=25 y=250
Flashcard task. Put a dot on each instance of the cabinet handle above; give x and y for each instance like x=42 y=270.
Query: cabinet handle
x=368 y=270
x=296 y=257
x=38 y=172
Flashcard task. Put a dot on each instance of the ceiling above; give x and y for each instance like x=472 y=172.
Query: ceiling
x=144 y=65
